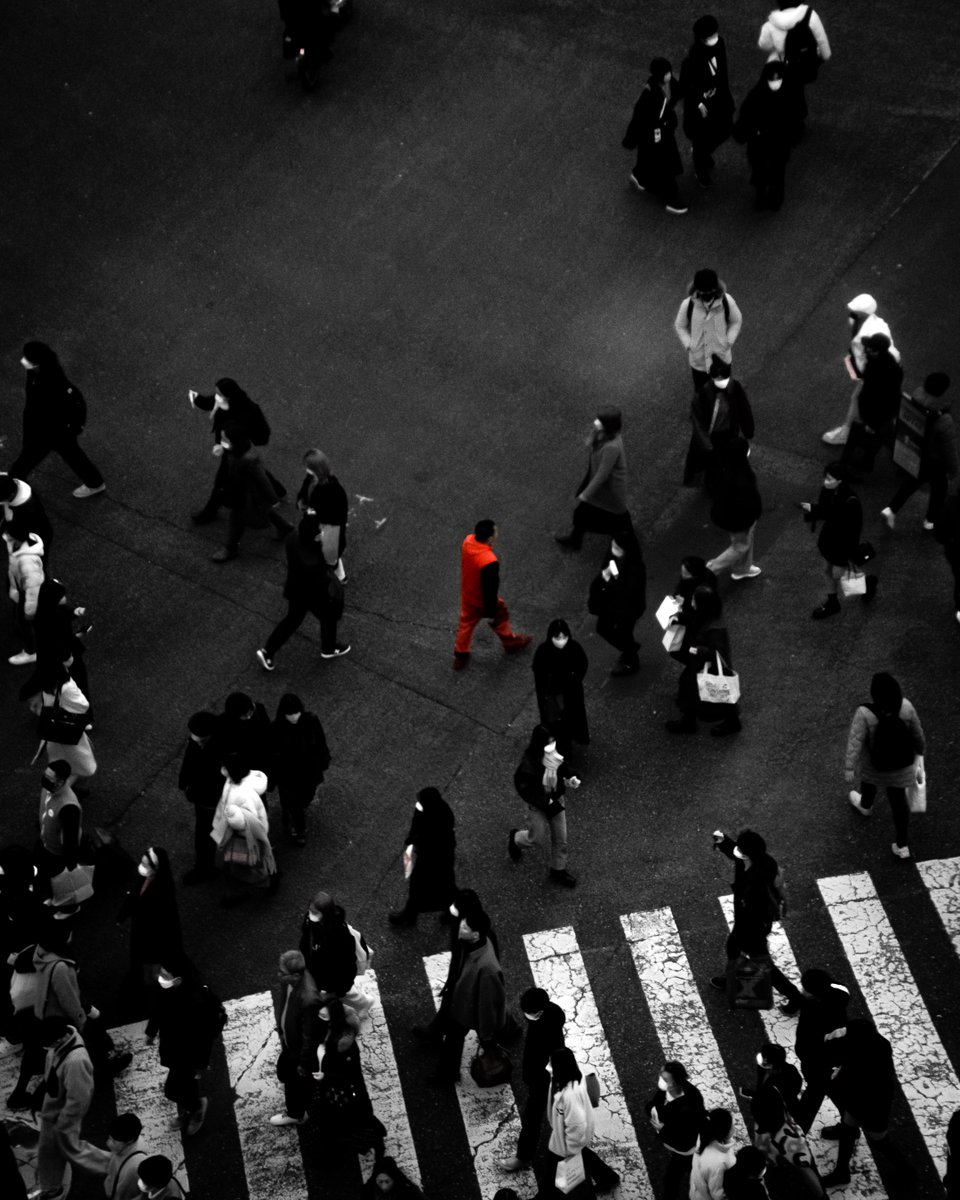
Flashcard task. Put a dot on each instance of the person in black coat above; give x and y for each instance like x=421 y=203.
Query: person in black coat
x=618 y=598
x=430 y=849
x=541 y=780
x=651 y=134
x=736 y=509
x=768 y=124
x=249 y=491
x=821 y=1006
x=719 y=412
x=300 y=756
x=244 y=728
x=544 y=1034
x=53 y=418
x=388 y=1182
x=322 y=496
x=59 y=643
x=328 y=945
x=947 y=533
x=678 y=1114
x=703 y=639
x=707 y=102
x=22 y=917
x=877 y=407
x=838 y=507
x=559 y=667
x=311 y=586
x=201 y=781
x=150 y=905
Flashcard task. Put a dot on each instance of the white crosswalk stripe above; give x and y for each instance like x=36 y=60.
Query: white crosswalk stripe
x=558 y=967
x=942 y=878
x=140 y=1090
x=926 y=1076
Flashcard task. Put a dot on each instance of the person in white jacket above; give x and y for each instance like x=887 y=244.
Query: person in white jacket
x=864 y=323
x=773 y=33
x=25 y=575
x=60 y=688
x=574 y=1093
x=714 y=1153
x=241 y=829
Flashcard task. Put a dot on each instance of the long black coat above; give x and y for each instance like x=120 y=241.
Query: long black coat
x=706 y=639
x=432 y=883
x=188 y=1020
x=841 y=512
x=300 y=752
x=651 y=134
x=737 y=503
x=558 y=675
x=155 y=936
x=704 y=80
x=768 y=124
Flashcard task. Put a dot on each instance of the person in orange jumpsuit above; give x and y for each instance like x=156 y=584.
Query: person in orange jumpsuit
x=479 y=595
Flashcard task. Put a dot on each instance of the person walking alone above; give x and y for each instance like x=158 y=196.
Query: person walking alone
x=479 y=595
x=541 y=780
x=939 y=459
x=602 y=496
x=201 y=781
x=301 y=756
x=704 y=639
x=736 y=509
x=677 y=1113
x=618 y=599
x=651 y=133
x=150 y=905
x=713 y=1155
x=430 y=849
x=708 y=323
x=838 y=507
x=864 y=323
x=574 y=1093
x=322 y=496
x=249 y=491
x=719 y=412
x=559 y=667
x=544 y=1022
x=768 y=125
x=296 y=1010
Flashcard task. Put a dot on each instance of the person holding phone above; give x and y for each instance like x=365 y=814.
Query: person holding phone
x=618 y=598
x=541 y=780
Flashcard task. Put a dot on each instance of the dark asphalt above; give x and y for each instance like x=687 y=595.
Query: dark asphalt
x=433 y=268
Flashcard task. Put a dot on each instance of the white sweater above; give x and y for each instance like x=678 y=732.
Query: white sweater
x=709 y=1167
x=571 y=1117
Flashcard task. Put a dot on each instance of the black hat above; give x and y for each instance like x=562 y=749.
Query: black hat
x=611 y=419
x=750 y=844
x=660 y=67
x=706 y=280
x=289 y=703
x=237 y=705
x=936 y=384
x=39 y=353
x=202 y=723
x=126 y=1127
x=718 y=368
x=704 y=27
x=155 y=1171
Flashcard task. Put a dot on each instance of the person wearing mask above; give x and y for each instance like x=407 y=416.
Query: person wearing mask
x=296 y=1010
x=150 y=905
x=127 y=1152
x=708 y=323
x=652 y=134
x=774 y=1106
x=544 y=1022
x=22 y=512
x=703 y=639
x=884 y=750
x=301 y=757
x=241 y=830
x=878 y=405
x=758 y=900
x=559 y=667
x=574 y=1094
x=719 y=412
x=201 y=781
x=58 y=642
x=187 y=1019
x=479 y=595
x=768 y=124
x=939 y=460
x=602 y=496
x=838 y=507
x=249 y=492
x=344 y=1110
x=821 y=1006
x=430 y=849
x=676 y=1111
x=736 y=509
x=713 y=1156
x=541 y=779
x=694 y=573
x=328 y=946
x=745 y=1179
x=157 y=1180
x=707 y=101
x=25 y=578
x=54 y=416
x=322 y=496
x=796 y=37
x=387 y=1180
x=863 y=323
x=618 y=599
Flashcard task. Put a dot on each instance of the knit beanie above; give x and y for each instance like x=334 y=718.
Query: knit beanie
x=704 y=27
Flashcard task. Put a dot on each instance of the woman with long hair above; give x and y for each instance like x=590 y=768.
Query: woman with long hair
x=574 y=1094
x=541 y=779
x=559 y=667
x=714 y=1153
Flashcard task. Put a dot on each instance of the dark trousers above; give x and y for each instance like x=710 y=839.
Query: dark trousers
x=619 y=633
x=587 y=518
x=296 y=1087
x=659 y=180
x=737 y=944
x=25 y=628
x=294 y=800
x=676 y=1178
x=204 y=847
x=297 y=609
x=703 y=163
x=533 y=1117
x=936 y=475
x=898 y=807
x=219 y=496
x=236 y=525
x=35 y=450
x=183 y=1088
x=451 y=1050
x=767 y=177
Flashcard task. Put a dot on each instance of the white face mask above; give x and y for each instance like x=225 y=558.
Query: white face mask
x=663 y=1085
x=466 y=934
x=712 y=39
x=616 y=550
x=830 y=483
x=598 y=425
x=145 y=871
x=774 y=84
x=220 y=401
x=25 y=362
x=560 y=640
x=533 y=1016
x=550 y=748
x=418 y=806
x=721 y=382
x=293 y=718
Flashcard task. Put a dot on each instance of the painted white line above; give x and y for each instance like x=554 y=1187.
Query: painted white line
x=865 y=1181
x=26 y=1156
x=140 y=1090
x=677 y=1009
x=942 y=879
x=383 y=1085
x=271 y=1156
x=558 y=967
x=926 y=1076
x=490 y=1115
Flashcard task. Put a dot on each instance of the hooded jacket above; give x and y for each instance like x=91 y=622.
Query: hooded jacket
x=865 y=306
x=69 y=1085
x=773 y=34
x=708 y=330
x=572 y=1120
x=57 y=989
x=24 y=513
x=706 y=1174
x=245 y=795
x=25 y=572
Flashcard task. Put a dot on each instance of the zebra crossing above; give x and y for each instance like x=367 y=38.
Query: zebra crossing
x=271 y=1160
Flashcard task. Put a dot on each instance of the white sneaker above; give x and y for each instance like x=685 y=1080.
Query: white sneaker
x=21 y=659
x=854 y=799
x=677 y=209
x=752 y=573
x=265 y=662
x=82 y=492
x=635 y=183
x=341 y=571
x=837 y=437
x=928 y=525
x=888 y=517
x=900 y=851
x=280 y=1119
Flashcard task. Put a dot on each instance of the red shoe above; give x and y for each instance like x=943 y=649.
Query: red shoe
x=519 y=641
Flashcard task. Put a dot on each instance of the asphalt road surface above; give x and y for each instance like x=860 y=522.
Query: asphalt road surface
x=433 y=268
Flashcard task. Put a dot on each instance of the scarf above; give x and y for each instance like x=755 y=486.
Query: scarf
x=551 y=762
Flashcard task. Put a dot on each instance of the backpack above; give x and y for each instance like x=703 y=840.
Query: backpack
x=891 y=743
x=364 y=953
x=723 y=300
x=800 y=50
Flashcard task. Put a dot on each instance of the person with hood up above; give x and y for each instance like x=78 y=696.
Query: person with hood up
x=838 y=507
x=878 y=405
x=574 y=1093
x=54 y=415
x=864 y=323
x=430 y=849
x=713 y=1155
x=884 y=749
x=296 y=1011
x=703 y=639
x=479 y=595
x=651 y=133
x=301 y=756
x=708 y=323
x=150 y=905
x=22 y=512
x=618 y=599
x=719 y=412
x=939 y=460
x=602 y=496
x=767 y=124
x=322 y=496
x=541 y=780
x=796 y=37
x=241 y=830
x=559 y=667
x=676 y=1111
x=328 y=946
x=25 y=578
x=249 y=492
x=707 y=101
x=736 y=509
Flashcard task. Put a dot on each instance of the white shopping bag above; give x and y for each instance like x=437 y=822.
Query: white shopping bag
x=668 y=610
x=715 y=686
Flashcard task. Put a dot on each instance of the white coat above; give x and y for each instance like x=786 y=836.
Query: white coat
x=246 y=795
x=773 y=34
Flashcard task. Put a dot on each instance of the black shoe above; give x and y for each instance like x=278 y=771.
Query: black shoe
x=513 y=849
x=836 y=1178
x=730 y=725
x=682 y=725
x=563 y=877
x=402 y=918
x=872 y=582
x=203 y=517
x=831 y=1132
x=830 y=606
x=570 y=541
x=719 y=983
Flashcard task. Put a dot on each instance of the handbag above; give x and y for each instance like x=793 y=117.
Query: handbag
x=72 y=886
x=492 y=1068
x=673 y=638
x=570 y=1173
x=237 y=851
x=669 y=608
x=917 y=791
x=57 y=725
x=720 y=686
x=853 y=583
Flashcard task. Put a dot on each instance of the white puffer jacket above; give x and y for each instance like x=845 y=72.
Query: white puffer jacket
x=25 y=571
x=773 y=35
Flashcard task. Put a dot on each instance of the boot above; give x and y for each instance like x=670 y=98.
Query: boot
x=846 y=1143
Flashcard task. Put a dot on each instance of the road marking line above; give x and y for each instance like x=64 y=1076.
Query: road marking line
x=383 y=1086
x=26 y=1156
x=490 y=1115
x=865 y=1183
x=677 y=1009
x=140 y=1090
x=558 y=967
x=942 y=879
x=926 y=1076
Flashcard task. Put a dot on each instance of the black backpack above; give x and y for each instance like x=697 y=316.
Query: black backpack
x=800 y=50
x=891 y=743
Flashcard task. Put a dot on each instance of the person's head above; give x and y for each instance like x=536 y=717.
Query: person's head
x=876 y=344
x=55 y=774
x=53 y=1030
x=238 y=707
x=230 y=394
x=771 y=1057
x=386 y=1175
x=317 y=464
x=886 y=693
x=474 y=922
x=751 y=1162
x=706 y=285
x=234 y=438
x=321 y=908
x=563 y=1064
x=432 y=805
x=706 y=603
x=290 y=708
x=485 y=531
x=201 y=726
x=123 y=1130
x=720 y=372
x=37 y=356
x=154 y=864
x=661 y=71
x=153 y=1174
x=706 y=30
x=750 y=846
x=834 y=474
x=717 y=1127
x=693 y=567
x=816 y=982
x=540 y=738
x=291 y=966
x=936 y=383
x=533 y=1003
x=861 y=307
x=673 y=1074
x=772 y=75
x=236 y=766
x=608 y=422
x=558 y=632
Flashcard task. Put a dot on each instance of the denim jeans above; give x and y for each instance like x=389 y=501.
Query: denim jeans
x=540 y=828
